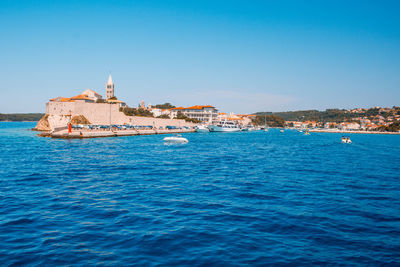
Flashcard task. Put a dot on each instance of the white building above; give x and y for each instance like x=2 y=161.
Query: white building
x=156 y=112
x=349 y=126
x=92 y=94
x=202 y=113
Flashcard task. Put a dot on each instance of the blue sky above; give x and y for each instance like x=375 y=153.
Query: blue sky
x=241 y=56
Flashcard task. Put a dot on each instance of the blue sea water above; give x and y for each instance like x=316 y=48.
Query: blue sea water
x=250 y=198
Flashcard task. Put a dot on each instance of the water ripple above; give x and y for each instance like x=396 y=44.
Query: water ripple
x=250 y=198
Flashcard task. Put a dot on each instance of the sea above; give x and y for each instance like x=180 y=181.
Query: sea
x=223 y=199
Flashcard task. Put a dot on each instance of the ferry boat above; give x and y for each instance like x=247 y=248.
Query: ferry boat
x=224 y=126
x=202 y=129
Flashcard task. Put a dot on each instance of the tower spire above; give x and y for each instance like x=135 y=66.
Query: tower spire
x=109 y=88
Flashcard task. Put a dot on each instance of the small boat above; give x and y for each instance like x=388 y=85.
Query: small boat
x=282 y=130
x=177 y=139
x=202 y=129
x=307 y=132
x=346 y=140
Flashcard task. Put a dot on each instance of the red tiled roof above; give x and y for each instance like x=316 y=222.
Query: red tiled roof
x=80 y=97
x=194 y=107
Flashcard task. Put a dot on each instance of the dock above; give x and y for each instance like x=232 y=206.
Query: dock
x=84 y=133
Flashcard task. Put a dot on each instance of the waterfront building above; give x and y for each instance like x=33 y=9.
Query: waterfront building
x=79 y=98
x=202 y=113
x=109 y=88
x=156 y=112
x=346 y=126
x=92 y=94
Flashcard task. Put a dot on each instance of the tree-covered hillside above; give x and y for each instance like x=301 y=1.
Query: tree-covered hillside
x=21 y=117
x=333 y=115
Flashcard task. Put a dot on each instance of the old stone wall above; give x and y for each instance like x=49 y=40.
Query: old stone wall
x=101 y=113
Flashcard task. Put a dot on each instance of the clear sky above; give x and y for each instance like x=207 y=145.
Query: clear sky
x=241 y=56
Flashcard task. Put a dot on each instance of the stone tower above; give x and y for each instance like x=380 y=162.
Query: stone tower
x=109 y=88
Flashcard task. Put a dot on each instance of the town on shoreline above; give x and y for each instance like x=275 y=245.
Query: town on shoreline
x=89 y=114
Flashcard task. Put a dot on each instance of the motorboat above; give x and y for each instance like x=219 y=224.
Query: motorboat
x=176 y=139
x=224 y=126
x=282 y=131
x=202 y=129
x=346 y=140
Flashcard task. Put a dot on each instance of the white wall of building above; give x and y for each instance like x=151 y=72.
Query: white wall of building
x=103 y=114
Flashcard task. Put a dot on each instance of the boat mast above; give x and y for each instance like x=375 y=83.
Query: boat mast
x=265 y=121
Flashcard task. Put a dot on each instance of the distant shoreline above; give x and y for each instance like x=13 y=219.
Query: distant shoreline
x=18 y=121
x=346 y=132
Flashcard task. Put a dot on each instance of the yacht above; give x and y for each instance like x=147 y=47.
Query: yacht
x=224 y=126
x=202 y=129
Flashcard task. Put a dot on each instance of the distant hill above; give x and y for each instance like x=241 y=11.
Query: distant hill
x=332 y=115
x=21 y=117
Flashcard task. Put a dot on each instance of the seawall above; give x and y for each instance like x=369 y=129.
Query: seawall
x=58 y=114
x=78 y=134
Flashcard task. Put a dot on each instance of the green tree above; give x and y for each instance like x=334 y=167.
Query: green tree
x=164 y=106
x=164 y=116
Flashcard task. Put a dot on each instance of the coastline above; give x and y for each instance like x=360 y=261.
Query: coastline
x=97 y=134
x=349 y=132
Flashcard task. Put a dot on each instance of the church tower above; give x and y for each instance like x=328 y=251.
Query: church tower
x=109 y=88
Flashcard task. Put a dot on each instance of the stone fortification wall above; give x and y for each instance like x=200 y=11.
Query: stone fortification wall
x=101 y=113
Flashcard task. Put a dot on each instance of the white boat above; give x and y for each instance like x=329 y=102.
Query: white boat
x=346 y=140
x=202 y=129
x=224 y=126
x=177 y=139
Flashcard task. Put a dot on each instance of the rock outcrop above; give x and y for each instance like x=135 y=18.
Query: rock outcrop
x=80 y=119
x=43 y=124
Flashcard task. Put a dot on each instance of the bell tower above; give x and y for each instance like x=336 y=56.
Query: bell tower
x=109 y=88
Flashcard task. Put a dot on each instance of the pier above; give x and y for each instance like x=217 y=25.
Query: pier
x=95 y=133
